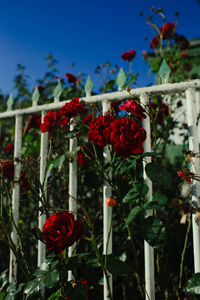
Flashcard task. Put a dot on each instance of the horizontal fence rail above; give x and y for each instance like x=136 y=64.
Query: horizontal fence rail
x=190 y=89
x=167 y=88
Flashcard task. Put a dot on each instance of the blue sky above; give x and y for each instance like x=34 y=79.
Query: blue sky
x=85 y=32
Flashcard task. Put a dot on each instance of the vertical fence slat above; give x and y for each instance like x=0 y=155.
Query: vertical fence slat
x=72 y=189
x=43 y=162
x=194 y=146
x=148 y=250
x=197 y=94
x=16 y=195
x=106 y=211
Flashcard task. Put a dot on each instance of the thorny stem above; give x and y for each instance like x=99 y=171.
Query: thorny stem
x=136 y=263
x=100 y=260
x=14 y=250
x=183 y=252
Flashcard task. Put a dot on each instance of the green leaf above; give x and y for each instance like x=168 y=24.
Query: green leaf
x=133 y=214
x=18 y=290
x=151 y=205
x=158 y=174
x=4 y=279
x=193 y=285
x=154 y=232
x=140 y=190
x=83 y=254
x=32 y=287
x=55 y=296
x=89 y=85
x=48 y=265
x=51 y=279
x=116 y=266
x=121 y=79
x=56 y=163
x=2 y=294
x=93 y=262
x=73 y=263
x=132 y=79
x=160 y=198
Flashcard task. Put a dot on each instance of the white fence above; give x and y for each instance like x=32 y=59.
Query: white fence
x=191 y=90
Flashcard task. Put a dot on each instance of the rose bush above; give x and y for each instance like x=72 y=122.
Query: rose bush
x=168 y=227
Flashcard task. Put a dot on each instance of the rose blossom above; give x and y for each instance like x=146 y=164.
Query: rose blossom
x=49 y=121
x=129 y=55
x=7 y=169
x=64 y=122
x=33 y=121
x=127 y=137
x=72 y=108
x=85 y=155
x=182 y=42
x=87 y=119
x=61 y=231
x=135 y=108
x=100 y=130
x=8 y=148
x=154 y=42
x=71 y=78
x=40 y=88
x=167 y=30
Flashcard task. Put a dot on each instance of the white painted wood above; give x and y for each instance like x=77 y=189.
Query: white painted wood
x=43 y=163
x=107 y=192
x=166 y=88
x=194 y=146
x=16 y=196
x=148 y=250
x=72 y=190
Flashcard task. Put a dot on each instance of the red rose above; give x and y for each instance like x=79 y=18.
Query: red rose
x=154 y=42
x=127 y=137
x=129 y=55
x=40 y=88
x=64 y=122
x=7 y=169
x=87 y=119
x=72 y=108
x=61 y=231
x=159 y=112
x=182 y=42
x=8 y=148
x=185 y=175
x=71 y=78
x=33 y=121
x=135 y=108
x=85 y=155
x=183 y=55
x=49 y=121
x=100 y=130
x=168 y=30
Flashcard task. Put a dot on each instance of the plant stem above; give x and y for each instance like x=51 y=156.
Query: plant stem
x=100 y=259
x=136 y=263
x=183 y=253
